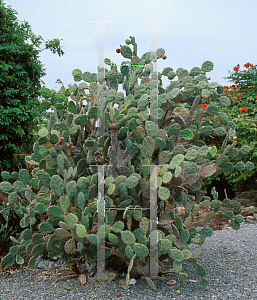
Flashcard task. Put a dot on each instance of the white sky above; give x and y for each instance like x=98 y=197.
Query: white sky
x=221 y=31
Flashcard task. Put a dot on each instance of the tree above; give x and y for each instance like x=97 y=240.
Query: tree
x=20 y=83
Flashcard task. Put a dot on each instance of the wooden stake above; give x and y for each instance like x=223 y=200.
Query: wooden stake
x=226 y=193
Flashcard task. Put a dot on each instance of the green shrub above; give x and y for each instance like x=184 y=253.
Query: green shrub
x=20 y=84
x=242 y=111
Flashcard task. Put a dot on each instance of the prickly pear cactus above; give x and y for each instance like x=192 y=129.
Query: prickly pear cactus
x=63 y=184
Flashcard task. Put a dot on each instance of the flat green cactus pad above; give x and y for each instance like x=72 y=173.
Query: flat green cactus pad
x=54 y=212
x=57 y=185
x=46 y=228
x=9 y=260
x=186 y=134
x=165 y=245
x=147 y=147
x=176 y=160
x=140 y=250
x=207 y=66
x=93 y=239
x=128 y=237
x=117 y=226
x=176 y=255
x=38 y=249
x=164 y=193
x=187 y=253
x=64 y=203
x=81 y=231
x=174 y=129
x=19 y=186
x=151 y=128
x=80 y=120
x=244 y=149
x=132 y=182
x=113 y=238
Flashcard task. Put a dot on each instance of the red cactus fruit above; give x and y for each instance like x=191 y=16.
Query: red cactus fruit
x=71 y=147
x=118 y=50
x=164 y=56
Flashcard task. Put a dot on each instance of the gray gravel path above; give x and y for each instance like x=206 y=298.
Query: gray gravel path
x=229 y=256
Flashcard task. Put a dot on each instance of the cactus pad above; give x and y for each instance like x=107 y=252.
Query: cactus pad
x=128 y=237
x=117 y=227
x=176 y=255
x=164 y=193
x=140 y=250
x=57 y=185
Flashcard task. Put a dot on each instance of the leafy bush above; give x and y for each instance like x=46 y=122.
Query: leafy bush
x=242 y=110
x=10 y=223
x=20 y=84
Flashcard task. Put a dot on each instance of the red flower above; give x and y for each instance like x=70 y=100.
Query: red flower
x=245 y=90
x=245 y=109
x=235 y=98
x=225 y=87
x=220 y=228
x=238 y=94
x=203 y=106
x=235 y=87
x=241 y=110
x=238 y=66
x=246 y=65
x=204 y=99
x=251 y=66
x=231 y=87
x=255 y=97
x=234 y=69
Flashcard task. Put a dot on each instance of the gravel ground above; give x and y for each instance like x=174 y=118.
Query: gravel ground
x=229 y=256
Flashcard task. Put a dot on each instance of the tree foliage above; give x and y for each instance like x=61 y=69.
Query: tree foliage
x=20 y=83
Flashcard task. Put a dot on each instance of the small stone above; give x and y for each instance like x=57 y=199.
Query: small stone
x=132 y=281
x=246 y=211
x=122 y=282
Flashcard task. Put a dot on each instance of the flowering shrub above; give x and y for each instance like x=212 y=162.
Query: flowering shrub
x=243 y=107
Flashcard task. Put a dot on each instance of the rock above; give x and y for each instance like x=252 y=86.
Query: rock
x=255 y=216
x=48 y=264
x=247 y=198
x=246 y=211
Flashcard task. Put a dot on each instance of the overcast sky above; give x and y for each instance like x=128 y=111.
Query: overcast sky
x=192 y=32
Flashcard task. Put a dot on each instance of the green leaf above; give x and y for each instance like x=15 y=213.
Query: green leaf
x=66 y=287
